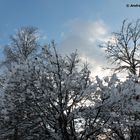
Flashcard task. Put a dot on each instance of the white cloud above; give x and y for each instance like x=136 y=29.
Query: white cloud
x=85 y=36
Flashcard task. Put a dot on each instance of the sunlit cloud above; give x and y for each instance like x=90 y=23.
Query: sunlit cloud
x=86 y=36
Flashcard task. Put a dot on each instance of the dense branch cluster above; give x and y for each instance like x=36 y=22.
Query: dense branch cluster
x=46 y=96
x=124 y=50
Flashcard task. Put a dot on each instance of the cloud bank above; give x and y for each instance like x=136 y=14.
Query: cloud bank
x=85 y=36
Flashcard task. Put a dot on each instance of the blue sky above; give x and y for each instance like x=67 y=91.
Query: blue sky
x=74 y=24
x=50 y=16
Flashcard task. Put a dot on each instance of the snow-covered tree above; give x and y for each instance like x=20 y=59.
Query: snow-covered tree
x=46 y=98
x=121 y=105
x=21 y=49
x=124 y=49
x=23 y=46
